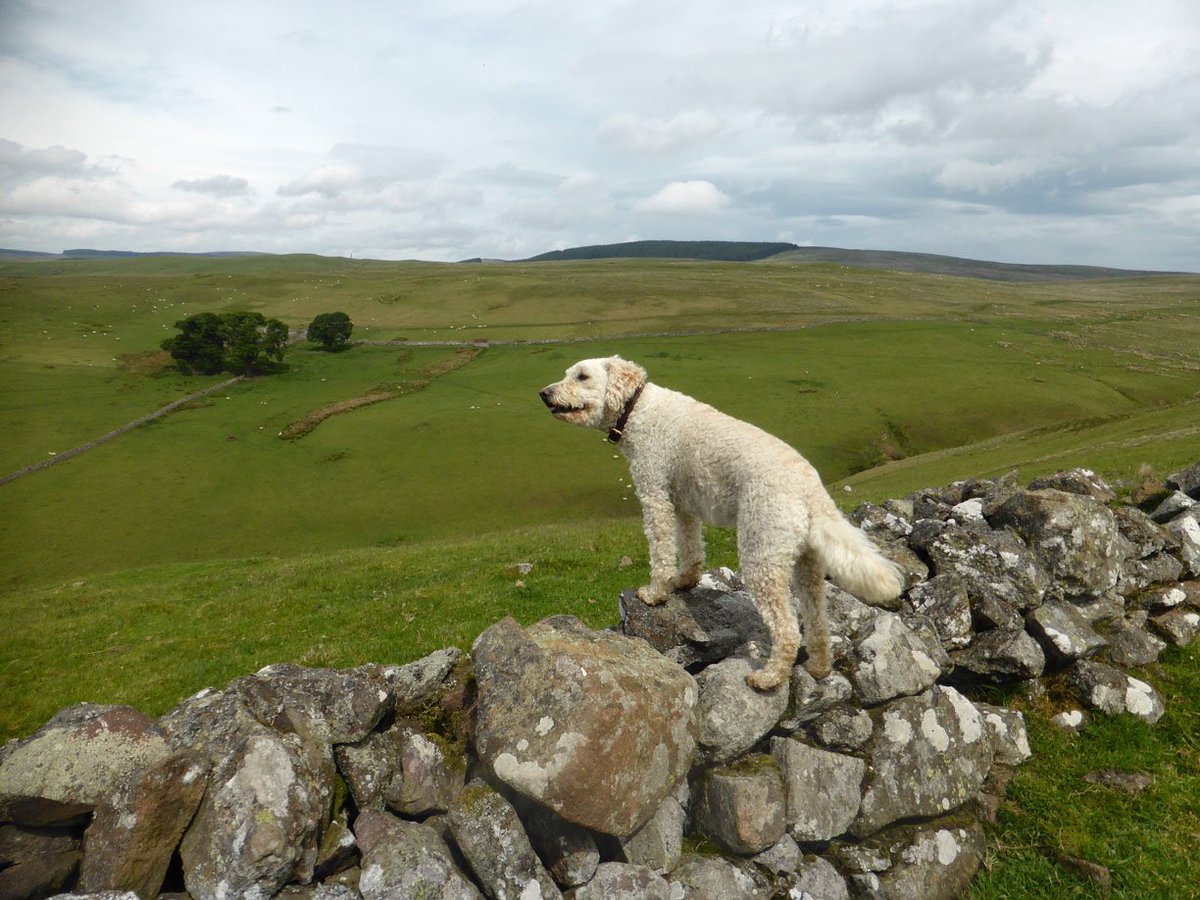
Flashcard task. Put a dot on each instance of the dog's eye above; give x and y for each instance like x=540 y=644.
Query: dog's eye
x=582 y=376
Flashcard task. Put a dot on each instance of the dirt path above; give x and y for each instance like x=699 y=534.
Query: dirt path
x=105 y=438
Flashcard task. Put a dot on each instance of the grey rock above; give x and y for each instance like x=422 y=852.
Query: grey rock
x=259 y=824
x=318 y=892
x=1132 y=783
x=1063 y=631
x=821 y=881
x=1074 y=537
x=881 y=523
x=812 y=698
x=1186 y=480
x=1186 y=530
x=1069 y=720
x=933 y=862
x=1101 y=609
x=419 y=683
x=742 y=807
x=1139 y=574
x=823 y=789
x=1179 y=626
x=1110 y=691
x=214 y=723
x=568 y=851
x=889 y=660
x=930 y=754
x=596 y=726
x=371 y=767
x=843 y=729
x=623 y=881
x=40 y=875
x=137 y=826
x=406 y=859
x=714 y=878
x=990 y=613
x=990 y=563
x=80 y=755
x=733 y=715
x=945 y=601
x=432 y=772
x=489 y=833
x=1076 y=481
x=1010 y=737
x=658 y=844
x=334 y=706
x=1129 y=643
x=695 y=627
x=1000 y=655
x=19 y=842
x=782 y=858
x=1174 y=504
x=1145 y=537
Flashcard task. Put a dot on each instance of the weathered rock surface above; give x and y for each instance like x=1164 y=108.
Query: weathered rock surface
x=697 y=627
x=743 y=807
x=823 y=789
x=1110 y=691
x=1064 y=632
x=407 y=859
x=889 y=659
x=545 y=727
x=623 y=881
x=733 y=715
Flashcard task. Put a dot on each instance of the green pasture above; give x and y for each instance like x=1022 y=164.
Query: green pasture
x=203 y=546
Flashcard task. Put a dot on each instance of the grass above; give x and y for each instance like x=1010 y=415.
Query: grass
x=201 y=547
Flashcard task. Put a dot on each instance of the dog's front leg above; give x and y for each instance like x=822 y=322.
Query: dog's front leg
x=658 y=518
x=690 y=534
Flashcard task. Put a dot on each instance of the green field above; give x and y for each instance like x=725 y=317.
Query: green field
x=202 y=546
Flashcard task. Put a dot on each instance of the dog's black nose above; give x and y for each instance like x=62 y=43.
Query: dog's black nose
x=544 y=393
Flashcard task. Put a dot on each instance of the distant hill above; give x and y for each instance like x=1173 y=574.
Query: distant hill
x=117 y=254
x=722 y=251
x=894 y=260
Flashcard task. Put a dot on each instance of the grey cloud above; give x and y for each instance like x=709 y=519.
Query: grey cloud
x=215 y=186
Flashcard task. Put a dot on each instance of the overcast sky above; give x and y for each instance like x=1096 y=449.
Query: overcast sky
x=1060 y=131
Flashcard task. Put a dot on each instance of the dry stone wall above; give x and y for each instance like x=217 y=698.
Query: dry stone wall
x=558 y=761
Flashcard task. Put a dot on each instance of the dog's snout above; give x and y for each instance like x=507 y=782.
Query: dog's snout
x=544 y=393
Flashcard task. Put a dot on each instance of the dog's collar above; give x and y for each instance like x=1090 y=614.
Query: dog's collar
x=618 y=430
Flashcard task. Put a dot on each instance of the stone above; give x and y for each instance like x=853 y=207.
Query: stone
x=492 y=839
x=1129 y=643
x=1139 y=574
x=658 y=844
x=812 y=698
x=1179 y=626
x=889 y=659
x=945 y=601
x=733 y=715
x=782 y=858
x=1009 y=654
x=259 y=825
x=597 y=726
x=333 y=706
x=742 y=806
x=1186 y=480
x=930 y=754
x=881 y=523
x=1070 y=720
x=820 y=880
x=623 y=881
x=372 y=766
x=568 y=851
x=714 y=878
x=40 y=875
x=432 y=772
x=1076 y=481
x=823 y=789
x=420 y=683
x=990 y=613
x=137 y=826
x=1186 y=530
x=1063 y=631
x=1143 y=535
x=1132 y=783
x=933 y=862
x=1010 y=737
x=406 y=859
x=1174 y=504
x=1074 y=537
x=214 y=723
x=63 y=770
x=19 y=842
x=696 y=627
x=990 y=563
x=1110 y=691
x=318 y=892
x=843 y=729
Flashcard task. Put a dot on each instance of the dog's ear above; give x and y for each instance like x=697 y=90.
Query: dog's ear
x=624 y=377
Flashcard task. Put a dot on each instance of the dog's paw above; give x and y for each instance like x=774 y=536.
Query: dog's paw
x=653 y=595
x=766 y=679
x=685 y=581
x=818 y=668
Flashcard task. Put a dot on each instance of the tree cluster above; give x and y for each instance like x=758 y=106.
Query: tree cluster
x=245 y=343
x=331 y=330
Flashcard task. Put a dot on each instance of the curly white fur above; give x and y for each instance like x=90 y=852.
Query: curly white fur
x=692 y=464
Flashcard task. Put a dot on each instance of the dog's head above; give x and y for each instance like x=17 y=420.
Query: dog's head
x=593 y=391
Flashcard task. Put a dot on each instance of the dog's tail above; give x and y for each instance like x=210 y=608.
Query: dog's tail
x=855 y=563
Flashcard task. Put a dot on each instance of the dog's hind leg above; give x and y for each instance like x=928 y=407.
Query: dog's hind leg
x=690 y=535
x=769 y=588
x=808 y=583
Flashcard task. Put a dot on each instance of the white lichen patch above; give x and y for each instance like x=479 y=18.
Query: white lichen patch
x=933 y=731
x=970 y=723
x=896 y=729
x=1139 y=697
x=947 y=847
x=544 y=725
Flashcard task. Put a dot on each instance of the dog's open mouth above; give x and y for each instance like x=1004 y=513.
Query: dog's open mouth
x=565 y=410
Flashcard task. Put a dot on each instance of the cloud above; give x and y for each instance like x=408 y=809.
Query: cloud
x=684 y=198
x=641 y=135
x=215 y=186
x=328 y=181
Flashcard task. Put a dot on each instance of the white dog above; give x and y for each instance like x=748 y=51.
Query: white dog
x=692 y=463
